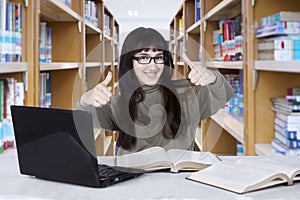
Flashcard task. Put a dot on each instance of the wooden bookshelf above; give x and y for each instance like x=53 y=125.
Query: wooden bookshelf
x=197 y=44
x=262 y=79
x=270 y=78
x=82 y=54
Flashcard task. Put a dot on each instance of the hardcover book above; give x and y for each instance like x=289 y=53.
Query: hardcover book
x=156 y=158
x=250 y=173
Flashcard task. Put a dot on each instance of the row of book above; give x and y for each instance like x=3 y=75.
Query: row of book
x=197 y=10
x=287 y=123
x=67 y=2
x=45 y=43
x=10 y=31
x=91 y=12
x=235 y=106
x=107 y=29
x=11 y=93
x=281 y=33
x=228 y=40
x=45 y=90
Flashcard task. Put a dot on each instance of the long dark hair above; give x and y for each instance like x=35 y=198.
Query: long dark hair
x=131 y=91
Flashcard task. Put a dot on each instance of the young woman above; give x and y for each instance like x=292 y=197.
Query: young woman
x=153 y=110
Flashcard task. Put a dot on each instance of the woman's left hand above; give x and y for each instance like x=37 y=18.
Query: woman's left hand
x=198 y=74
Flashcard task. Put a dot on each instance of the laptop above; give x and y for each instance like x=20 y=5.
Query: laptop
x=58 y=145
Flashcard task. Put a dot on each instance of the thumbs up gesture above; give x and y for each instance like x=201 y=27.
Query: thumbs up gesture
x=98 y=96
x=198 y=74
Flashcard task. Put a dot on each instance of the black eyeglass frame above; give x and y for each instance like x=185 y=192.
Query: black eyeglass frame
x=137 y=59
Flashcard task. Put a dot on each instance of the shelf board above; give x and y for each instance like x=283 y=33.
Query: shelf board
x=93 y=64
x=12 y=67
x=97 y=132
x=107 y=63
x=232 y=125
x=107 y=142
x=264 y=150
x=225 y=65
x=225 y=10
x=180 y=37
x=55 y=10
x=91 y=28
x=180 y=63
x=59 y=66
x=107 y=37
x=195 y=28
x=278 y=66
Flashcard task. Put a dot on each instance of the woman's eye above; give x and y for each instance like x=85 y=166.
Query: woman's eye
x=159 y=57
x=144 y=58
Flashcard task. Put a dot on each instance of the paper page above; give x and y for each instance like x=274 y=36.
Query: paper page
x=239 y=178
x=179 y=155
x=143 y=159
x=107 y=160
x=279 y=164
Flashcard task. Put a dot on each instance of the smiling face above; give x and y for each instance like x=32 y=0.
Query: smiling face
x=148 y=73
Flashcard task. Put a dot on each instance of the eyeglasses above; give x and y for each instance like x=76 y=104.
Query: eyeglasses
x=147 y=59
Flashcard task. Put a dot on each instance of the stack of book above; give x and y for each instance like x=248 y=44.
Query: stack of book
x=11 y=93
x=45 y=43
x=228 y=40
x=91 y=12
x=287 y=123
x=236 y=104
x=282 y=40
x=10 y=31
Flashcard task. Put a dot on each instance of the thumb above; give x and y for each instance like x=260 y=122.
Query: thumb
x=188 y=61
x=107 y=79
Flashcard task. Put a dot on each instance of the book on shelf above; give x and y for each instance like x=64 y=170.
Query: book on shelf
x=280 y=148
x=250 y=173
x=280 y=44
x=289 y=143
x=279 y=28
x=282 y=103
x=156 y=158
x=279 y=55
x=288 y=16
x=10 y=31
x=289 y=134
x=197 y=10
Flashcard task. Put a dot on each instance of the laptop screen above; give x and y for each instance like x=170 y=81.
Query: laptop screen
x=56 y=144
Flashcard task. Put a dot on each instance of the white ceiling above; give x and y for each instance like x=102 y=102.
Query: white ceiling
x=151 y=13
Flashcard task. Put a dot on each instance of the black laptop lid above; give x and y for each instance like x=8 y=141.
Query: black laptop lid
x=56 y=144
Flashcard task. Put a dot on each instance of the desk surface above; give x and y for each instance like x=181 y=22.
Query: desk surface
x=160 y=185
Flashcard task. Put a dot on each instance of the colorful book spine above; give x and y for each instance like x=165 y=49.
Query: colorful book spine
x=280 y=16
x=197 y=10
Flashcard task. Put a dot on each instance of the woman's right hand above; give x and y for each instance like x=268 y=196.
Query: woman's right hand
x=98 y=96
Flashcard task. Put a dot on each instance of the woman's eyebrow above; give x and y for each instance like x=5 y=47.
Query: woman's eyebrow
x=147 y=54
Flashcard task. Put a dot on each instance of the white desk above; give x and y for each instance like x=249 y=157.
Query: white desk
x=165 y=186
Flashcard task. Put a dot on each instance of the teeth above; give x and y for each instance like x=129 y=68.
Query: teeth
x=151 y=75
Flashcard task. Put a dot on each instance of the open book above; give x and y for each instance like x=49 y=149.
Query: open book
x=250 y=173
x=156 y=158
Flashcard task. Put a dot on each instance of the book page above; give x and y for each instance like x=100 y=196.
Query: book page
x=107 y=160
x=191 y=160
x=281 y=164
x=149 y=159
x=237 y=177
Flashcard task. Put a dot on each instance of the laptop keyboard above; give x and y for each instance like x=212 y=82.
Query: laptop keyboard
x=107 y=171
